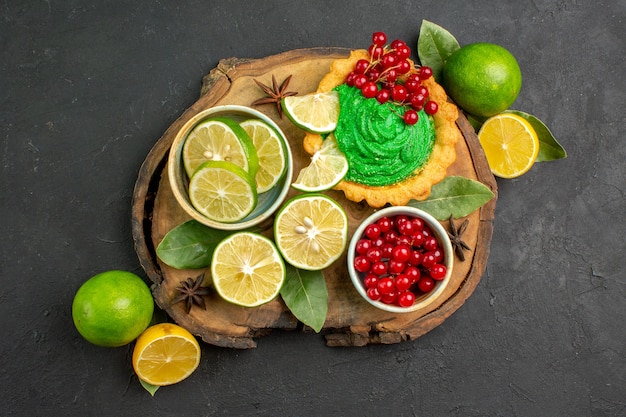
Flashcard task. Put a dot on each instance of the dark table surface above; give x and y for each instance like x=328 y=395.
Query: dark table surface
x=85 y=92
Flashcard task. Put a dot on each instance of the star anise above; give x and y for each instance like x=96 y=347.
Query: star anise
x=455 y=237
x=191 y=291
x=275 y=93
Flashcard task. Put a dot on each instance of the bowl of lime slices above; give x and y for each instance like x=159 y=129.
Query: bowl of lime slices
x=230 y=167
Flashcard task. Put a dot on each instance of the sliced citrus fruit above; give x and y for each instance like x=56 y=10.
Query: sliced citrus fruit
x=270 y=152
x=510 y=144
x=222 y=191
x=316 y=113
x=311 y=231
x=328 y=166
x=165 y=354
x=247 y=269
x=219 y=139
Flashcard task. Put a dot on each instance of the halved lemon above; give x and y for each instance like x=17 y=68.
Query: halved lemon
x=328 y=166
x=510 y=143
x=247 y=269
x=316 y=113
x=165 y=354
x=222 y=191
x=270 y=152
x=311 y=231
x=219 y=139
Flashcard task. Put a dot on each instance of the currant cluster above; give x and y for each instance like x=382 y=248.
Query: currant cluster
x=388 y=76
x=399 y=258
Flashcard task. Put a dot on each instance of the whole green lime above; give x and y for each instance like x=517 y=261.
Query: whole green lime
x=483 y=79
x=112 y=308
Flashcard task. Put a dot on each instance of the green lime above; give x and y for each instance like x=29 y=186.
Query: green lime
x=112 y=308
x=484 y=79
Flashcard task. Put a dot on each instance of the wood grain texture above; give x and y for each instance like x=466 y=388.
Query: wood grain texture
x=350 y=321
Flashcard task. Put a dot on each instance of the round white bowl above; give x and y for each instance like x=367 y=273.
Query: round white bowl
x=423 y=300
x=268 y=202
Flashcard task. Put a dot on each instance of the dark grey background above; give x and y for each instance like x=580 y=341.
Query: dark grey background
x=86 y=89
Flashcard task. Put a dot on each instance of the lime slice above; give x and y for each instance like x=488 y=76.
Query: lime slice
x=316 y=113
x=270 y=152
x=510 y=143
x=311 y=231
x=219 y=139
x=328 y=166
x=247 y=269
x=222 y=191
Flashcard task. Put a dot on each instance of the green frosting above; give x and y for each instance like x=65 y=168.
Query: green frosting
x=381 y=149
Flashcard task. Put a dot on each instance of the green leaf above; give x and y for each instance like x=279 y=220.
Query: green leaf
x=434 y=46
x=458 y=196
x=306 y=295
x=152 y=389
x=190 y=245
x=549 y=148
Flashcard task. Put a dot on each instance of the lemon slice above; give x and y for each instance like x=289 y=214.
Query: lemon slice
x=247 y=269
x=311 y=231
x=219 y=139
x=328 y=166
x=270 y=152
x=165 y=354
x=316 y=113
x=510 y=144
x=222 y=191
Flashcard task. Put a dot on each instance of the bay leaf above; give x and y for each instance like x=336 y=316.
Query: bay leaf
x=190 y=245
x=549 y=148
x=454 y=195
x=306 y=295
x=152 y=389
x=434 y=46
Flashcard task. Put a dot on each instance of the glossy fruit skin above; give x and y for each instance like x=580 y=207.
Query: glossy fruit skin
x=112 y=308
x=484 y=79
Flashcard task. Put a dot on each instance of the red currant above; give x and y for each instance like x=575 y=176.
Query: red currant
x=389 y=60
x=403 y=67
x=437 y=272
x=379 y=38
x=389 y=298
x=401 y=253
x=361 y=66
x=385 y=285
x=415 y=258
x=395 y=267
x=370 y=281
x=402 y=51
x=397 y=43
x=376 y=51
x=429 y=260
x=431 y=107
x=387 y=250
x=360 y=80
x=411 y=85
x=369 y=89
x=399 y=93
x=413 y=273
x=406 y=228
x=373 y=294
x=372 y=231
x=425 y=72
x=384 y=223
x=403 y=282
x=418 y=239
x=426 y=284
x=383 y=95
x=422 y=90
x=430 y=243
x=379 y=268
x=362 y=246
x=417 y=101
x=406 y=299
x=375 y=254
x=361 y=263
x=410 y=117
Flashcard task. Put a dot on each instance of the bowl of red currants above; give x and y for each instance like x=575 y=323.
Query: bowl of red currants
x=400 y=259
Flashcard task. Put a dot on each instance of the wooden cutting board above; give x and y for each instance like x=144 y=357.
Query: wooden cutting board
x=351 y=321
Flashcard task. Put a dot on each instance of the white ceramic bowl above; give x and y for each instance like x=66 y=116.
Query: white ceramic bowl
x=268 y=202
x=421 y=300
